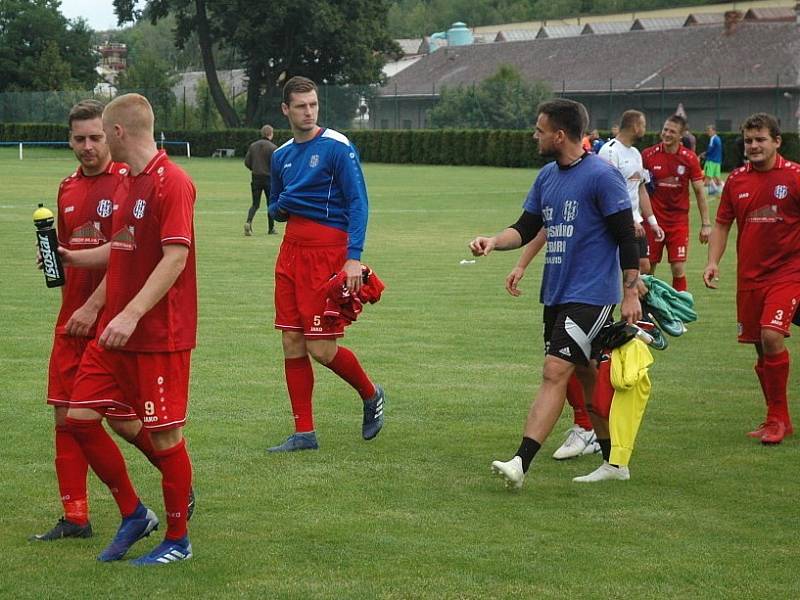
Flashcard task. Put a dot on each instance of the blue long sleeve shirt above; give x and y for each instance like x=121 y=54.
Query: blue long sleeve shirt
x=321 y=179
x=714 y=150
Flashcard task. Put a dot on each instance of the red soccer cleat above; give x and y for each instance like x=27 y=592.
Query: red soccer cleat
x=774 y=432
x=758 y=432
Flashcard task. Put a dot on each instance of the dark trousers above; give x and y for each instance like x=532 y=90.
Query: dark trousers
x=258 y=185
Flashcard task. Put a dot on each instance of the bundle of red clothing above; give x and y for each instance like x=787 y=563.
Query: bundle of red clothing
x=344 y=307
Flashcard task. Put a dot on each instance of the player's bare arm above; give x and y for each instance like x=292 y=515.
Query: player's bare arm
x=716 y=248
x=702 y=207
x=647 y=212
x=92 y=258
x=81 y=321
x=121 y=327
x=528 y=253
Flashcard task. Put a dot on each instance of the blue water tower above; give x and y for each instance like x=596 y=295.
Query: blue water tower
x=459 y=35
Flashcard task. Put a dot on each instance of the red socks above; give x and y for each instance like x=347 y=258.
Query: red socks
x=176 y=482
x=679 y=283
x=575 y=398
x=71 y=469
x=145 y=444
x=774 y=383
x=106 y=460
x=300 y=383
x=346 y=365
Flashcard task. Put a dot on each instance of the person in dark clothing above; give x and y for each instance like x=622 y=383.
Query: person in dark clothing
x=257 y=159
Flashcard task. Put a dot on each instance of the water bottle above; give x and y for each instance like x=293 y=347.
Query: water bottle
x=47 y=241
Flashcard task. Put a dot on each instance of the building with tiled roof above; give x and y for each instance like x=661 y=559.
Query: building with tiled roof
x=720 y=73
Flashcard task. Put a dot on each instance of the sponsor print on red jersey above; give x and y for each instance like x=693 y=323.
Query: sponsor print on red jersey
x=671 y=174
x=158 y=210
x=85 y=207
x=766 y=208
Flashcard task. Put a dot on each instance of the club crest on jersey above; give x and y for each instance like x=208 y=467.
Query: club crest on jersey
x=138 y=208
x=105 y=207
x=681 y=169
x=314 y=160
x=570 y=210
x=781 y=191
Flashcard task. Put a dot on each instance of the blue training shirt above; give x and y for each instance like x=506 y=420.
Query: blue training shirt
x=321 y=179
x=582 y=257
x=714 y=150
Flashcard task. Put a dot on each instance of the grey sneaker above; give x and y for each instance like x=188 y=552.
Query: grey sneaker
x=64 y=529
x=297 y=441
x=373 y=414
x=248 y=229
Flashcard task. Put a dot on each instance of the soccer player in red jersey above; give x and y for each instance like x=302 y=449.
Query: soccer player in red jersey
x=141 y=358
x=672 y=166
x=317 y=184
x=763 y=197
x=85 y=204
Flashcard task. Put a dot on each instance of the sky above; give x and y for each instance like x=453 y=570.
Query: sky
x=99 y=13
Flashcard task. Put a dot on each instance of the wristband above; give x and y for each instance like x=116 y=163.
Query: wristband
x=652 y=221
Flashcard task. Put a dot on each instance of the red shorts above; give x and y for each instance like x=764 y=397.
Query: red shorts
x=64 y=361
x=310 y=254
x=676 y=239
x=771 y=307
x=154 y=384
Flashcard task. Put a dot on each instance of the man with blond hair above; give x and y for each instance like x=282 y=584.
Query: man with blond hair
x=140 y=360
x=85 y=203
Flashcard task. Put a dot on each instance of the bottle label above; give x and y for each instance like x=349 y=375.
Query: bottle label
x=48 y=257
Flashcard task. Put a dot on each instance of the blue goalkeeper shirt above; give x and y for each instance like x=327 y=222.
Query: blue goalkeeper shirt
x=321 y=179
x=714 y=150
x=582 y=256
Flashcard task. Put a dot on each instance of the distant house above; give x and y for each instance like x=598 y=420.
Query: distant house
x=721 y=72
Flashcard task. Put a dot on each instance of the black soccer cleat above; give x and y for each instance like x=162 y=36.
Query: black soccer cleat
x=64 y=529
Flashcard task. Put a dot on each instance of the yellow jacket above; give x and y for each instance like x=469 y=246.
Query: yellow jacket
x=629 y=364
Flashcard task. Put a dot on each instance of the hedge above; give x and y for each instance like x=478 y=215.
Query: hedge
x=497 y=148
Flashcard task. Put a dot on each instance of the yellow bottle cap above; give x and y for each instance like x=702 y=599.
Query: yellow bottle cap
x=42 y=213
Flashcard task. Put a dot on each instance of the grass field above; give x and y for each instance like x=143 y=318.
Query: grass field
x=708 y=512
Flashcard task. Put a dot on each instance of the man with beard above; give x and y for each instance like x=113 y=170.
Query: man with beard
x=85 y=204
x=763 y=197
x=582 y=203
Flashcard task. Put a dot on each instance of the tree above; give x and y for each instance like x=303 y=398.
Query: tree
x=41 y=50
x=153 y=78
x=336 y=43
x=503 y=101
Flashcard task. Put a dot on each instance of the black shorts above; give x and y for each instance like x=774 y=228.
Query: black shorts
x=570 y=330
x=644 y=249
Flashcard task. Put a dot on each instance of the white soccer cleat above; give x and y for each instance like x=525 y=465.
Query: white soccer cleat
x=605 y=472
x=511 y=471
x=579 y=441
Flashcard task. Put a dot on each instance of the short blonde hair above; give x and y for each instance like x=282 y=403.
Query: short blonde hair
x=133 y=112
x=266 y=131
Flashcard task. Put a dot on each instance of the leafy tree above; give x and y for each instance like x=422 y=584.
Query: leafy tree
x=503 y=101
x=40 y=49
x=153 y=78
x=336 y=43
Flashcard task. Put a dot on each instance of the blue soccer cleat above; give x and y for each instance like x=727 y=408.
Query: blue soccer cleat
x=297 y=441
x=168 y=551
x=139 y=525
x=373 y=414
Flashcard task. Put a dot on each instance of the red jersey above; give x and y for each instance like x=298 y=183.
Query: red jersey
x=670 y=174
x=158 y=210
x=766 y=207
x=85 y=206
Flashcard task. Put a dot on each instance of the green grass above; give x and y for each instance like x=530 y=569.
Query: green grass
x=415 y=513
